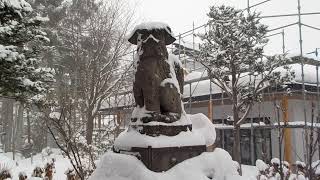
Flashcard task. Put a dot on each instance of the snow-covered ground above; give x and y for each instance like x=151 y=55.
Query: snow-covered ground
x=124 y=167
x=24 y=164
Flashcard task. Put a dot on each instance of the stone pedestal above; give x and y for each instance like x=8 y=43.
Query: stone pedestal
x=162 y=159
x=157 y=130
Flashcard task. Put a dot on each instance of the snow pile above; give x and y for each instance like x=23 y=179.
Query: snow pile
x=262 y=166
x=202 y=125
x=216 y=165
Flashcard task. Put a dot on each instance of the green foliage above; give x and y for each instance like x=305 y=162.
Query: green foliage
x=21 y=42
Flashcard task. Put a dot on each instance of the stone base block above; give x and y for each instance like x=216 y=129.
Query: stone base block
x=157 y=130
x=162 y=159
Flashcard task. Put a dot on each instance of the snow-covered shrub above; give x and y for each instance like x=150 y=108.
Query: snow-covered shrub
x=295 y=171
x=5 y=172
x=37 y=172
x=22 y=176
x=70 y=173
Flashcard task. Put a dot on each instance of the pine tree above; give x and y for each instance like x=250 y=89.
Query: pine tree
x=234 y=58
x=21 y=41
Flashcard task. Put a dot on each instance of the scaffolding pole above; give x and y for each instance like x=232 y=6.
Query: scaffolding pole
x=303 y=83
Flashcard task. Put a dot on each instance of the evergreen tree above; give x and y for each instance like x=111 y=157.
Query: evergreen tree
x=21 y=41
x=235 y=61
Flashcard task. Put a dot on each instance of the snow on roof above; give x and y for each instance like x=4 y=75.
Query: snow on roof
x=203 y=87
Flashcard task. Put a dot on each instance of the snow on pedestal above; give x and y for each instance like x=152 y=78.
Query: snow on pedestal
x=216 y=165
x=203 y=133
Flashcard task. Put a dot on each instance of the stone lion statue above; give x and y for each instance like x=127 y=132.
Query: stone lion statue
x=158 y=81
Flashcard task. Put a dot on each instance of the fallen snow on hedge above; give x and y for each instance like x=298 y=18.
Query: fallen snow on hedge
x=217 y=165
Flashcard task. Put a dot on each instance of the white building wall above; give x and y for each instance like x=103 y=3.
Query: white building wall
x=268 y=109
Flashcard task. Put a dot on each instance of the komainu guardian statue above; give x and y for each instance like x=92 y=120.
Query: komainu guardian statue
x=158 y=84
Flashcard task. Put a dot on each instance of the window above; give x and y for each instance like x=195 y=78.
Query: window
x=261 y=141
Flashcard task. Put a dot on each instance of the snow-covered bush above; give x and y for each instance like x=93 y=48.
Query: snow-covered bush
x=22 y=176
x=5 y=173
x=37 y=172
x=295 y=171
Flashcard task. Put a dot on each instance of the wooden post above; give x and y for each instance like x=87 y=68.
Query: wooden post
x=210 y=108
x=99 y=121
x=210 y=105
x=287 y=131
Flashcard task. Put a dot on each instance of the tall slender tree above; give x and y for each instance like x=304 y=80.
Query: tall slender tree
x=91 y=43
x=234 y=58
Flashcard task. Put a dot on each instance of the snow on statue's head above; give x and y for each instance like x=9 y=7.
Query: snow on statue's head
x=151 y=39
x=154 y=28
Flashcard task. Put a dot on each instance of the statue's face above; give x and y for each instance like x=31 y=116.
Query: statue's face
x=157 y=36
x=152 y=43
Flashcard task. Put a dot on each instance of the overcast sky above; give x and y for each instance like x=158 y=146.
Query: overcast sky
x=180 y=14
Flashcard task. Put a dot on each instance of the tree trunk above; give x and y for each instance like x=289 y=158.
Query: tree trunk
x=236 y=131
x=89 y=132
x=28 y=127
x=236 y=144
x=20 y=126
x=7 y=123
